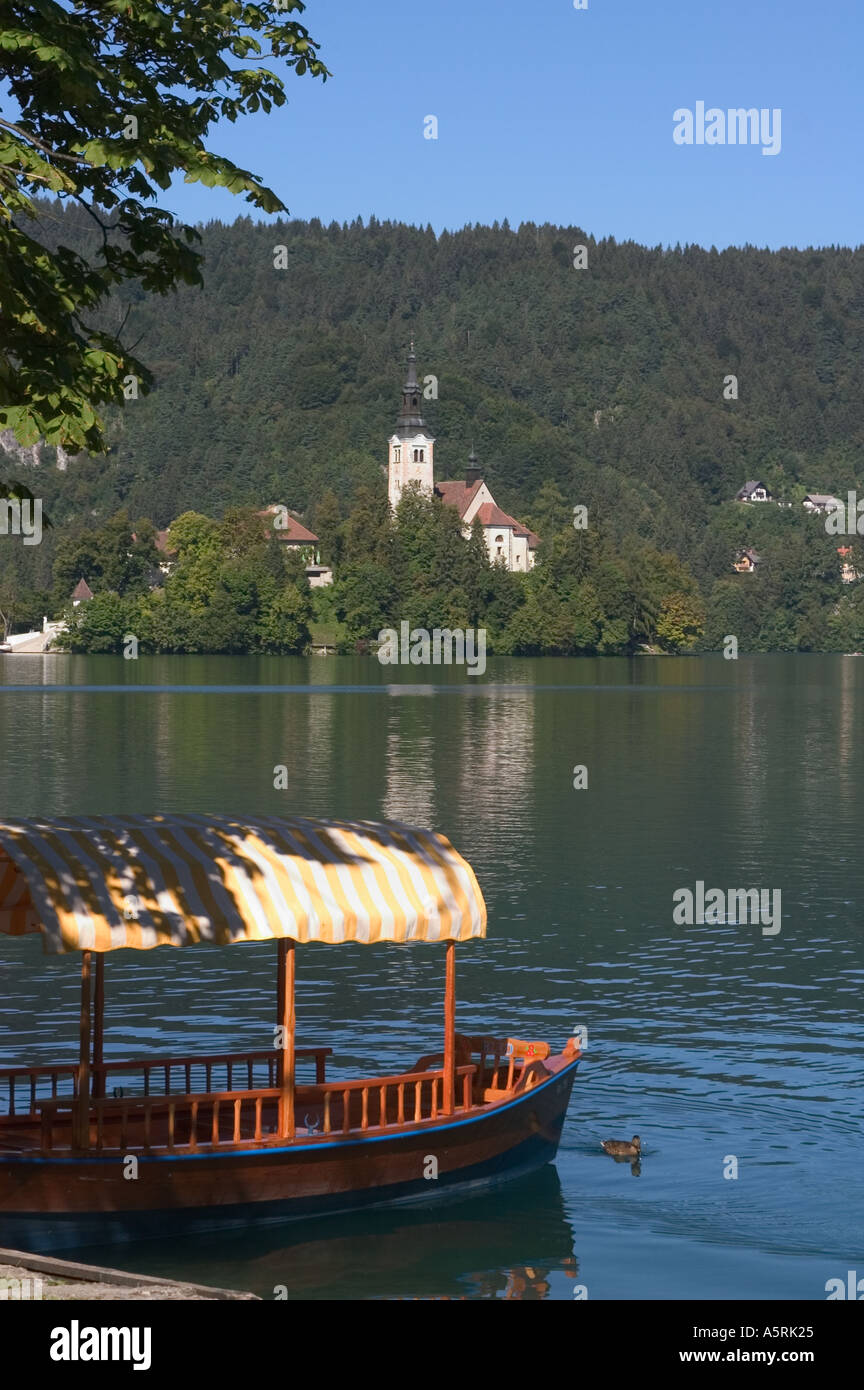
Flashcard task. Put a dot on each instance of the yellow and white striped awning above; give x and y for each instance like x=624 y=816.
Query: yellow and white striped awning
x=101 y=883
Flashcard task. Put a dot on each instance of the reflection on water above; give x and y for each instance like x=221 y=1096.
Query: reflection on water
x=707 y=1041
x=516 y=1246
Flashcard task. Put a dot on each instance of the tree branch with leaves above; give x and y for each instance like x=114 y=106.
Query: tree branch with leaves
x=105 y=102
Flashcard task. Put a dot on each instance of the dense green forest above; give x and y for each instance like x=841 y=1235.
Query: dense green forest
x=601 y=386
x=232 y=586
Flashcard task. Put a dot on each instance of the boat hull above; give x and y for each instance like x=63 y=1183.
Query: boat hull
x=54 y=1203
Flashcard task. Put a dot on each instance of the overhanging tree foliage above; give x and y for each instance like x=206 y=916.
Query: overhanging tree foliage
x=104 y=102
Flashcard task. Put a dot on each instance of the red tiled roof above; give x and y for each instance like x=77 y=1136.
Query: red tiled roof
x=82 y=590
x=162 y=543
x=160 y=540
x=491 y=514
x=456 y=494
x=533 y=540
x=292 y=530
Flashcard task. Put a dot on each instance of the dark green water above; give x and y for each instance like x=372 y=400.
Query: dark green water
x=709 y=1041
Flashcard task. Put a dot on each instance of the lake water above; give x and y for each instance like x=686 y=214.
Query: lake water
x=713 y=1042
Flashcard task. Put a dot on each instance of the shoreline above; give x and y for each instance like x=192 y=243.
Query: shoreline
x=26 y=1277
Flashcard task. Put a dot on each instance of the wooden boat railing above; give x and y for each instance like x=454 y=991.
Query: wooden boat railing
x=192 y=1122
x=231 y=1062
x=27 y=1085
x=388 y=1094
x=23 y=1088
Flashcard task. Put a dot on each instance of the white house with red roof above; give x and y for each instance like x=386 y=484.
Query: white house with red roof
x=411 y=460
x=291 y=532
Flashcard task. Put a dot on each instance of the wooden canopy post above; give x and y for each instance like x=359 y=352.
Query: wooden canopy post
x=450 y=1030
x=286 y=1020
x=81 y=1122
x=99 y=1026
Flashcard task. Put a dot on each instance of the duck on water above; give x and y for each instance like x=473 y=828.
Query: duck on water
x=623 y=1148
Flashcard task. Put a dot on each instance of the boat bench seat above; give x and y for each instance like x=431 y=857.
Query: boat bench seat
x=527 y=1058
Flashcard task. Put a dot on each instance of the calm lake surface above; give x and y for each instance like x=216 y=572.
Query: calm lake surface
x=711 y=1042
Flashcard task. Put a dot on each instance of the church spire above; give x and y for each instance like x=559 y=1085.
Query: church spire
x=411 y=415
x=412 y=447
x=472 y=470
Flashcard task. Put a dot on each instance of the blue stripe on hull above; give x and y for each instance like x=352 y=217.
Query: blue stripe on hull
x=48 y=1234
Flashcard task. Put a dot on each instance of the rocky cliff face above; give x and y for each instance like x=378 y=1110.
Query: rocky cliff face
x=26 y=454
x=31 y=455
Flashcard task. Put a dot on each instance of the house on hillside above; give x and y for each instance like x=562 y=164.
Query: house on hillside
x=753 y=491
x=292 y=533
x=411 y=460
x=167 y=554
x=821 y=502
x=746 y=562
x=166 y=562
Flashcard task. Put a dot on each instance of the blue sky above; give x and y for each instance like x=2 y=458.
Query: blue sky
x=551 y=114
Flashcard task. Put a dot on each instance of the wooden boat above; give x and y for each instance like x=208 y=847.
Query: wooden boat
x=94 y=1151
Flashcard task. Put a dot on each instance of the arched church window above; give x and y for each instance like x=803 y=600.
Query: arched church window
x=397 y=455
x=499 y=540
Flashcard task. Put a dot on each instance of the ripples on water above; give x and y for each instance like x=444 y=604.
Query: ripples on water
x=708 y=1041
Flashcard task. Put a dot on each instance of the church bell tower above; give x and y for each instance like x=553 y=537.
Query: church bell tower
x=412 y=447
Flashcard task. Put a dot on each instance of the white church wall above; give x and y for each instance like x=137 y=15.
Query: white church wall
x=499 y=544
x=503 y=543
x=483 y=495
x=520 y=554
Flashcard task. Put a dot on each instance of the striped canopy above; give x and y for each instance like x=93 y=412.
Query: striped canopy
x=101 y=883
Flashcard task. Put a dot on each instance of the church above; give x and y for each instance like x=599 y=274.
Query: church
x=412 y=459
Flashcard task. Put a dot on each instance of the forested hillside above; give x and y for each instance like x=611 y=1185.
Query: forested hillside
x=274 y=385
x=601 y=386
